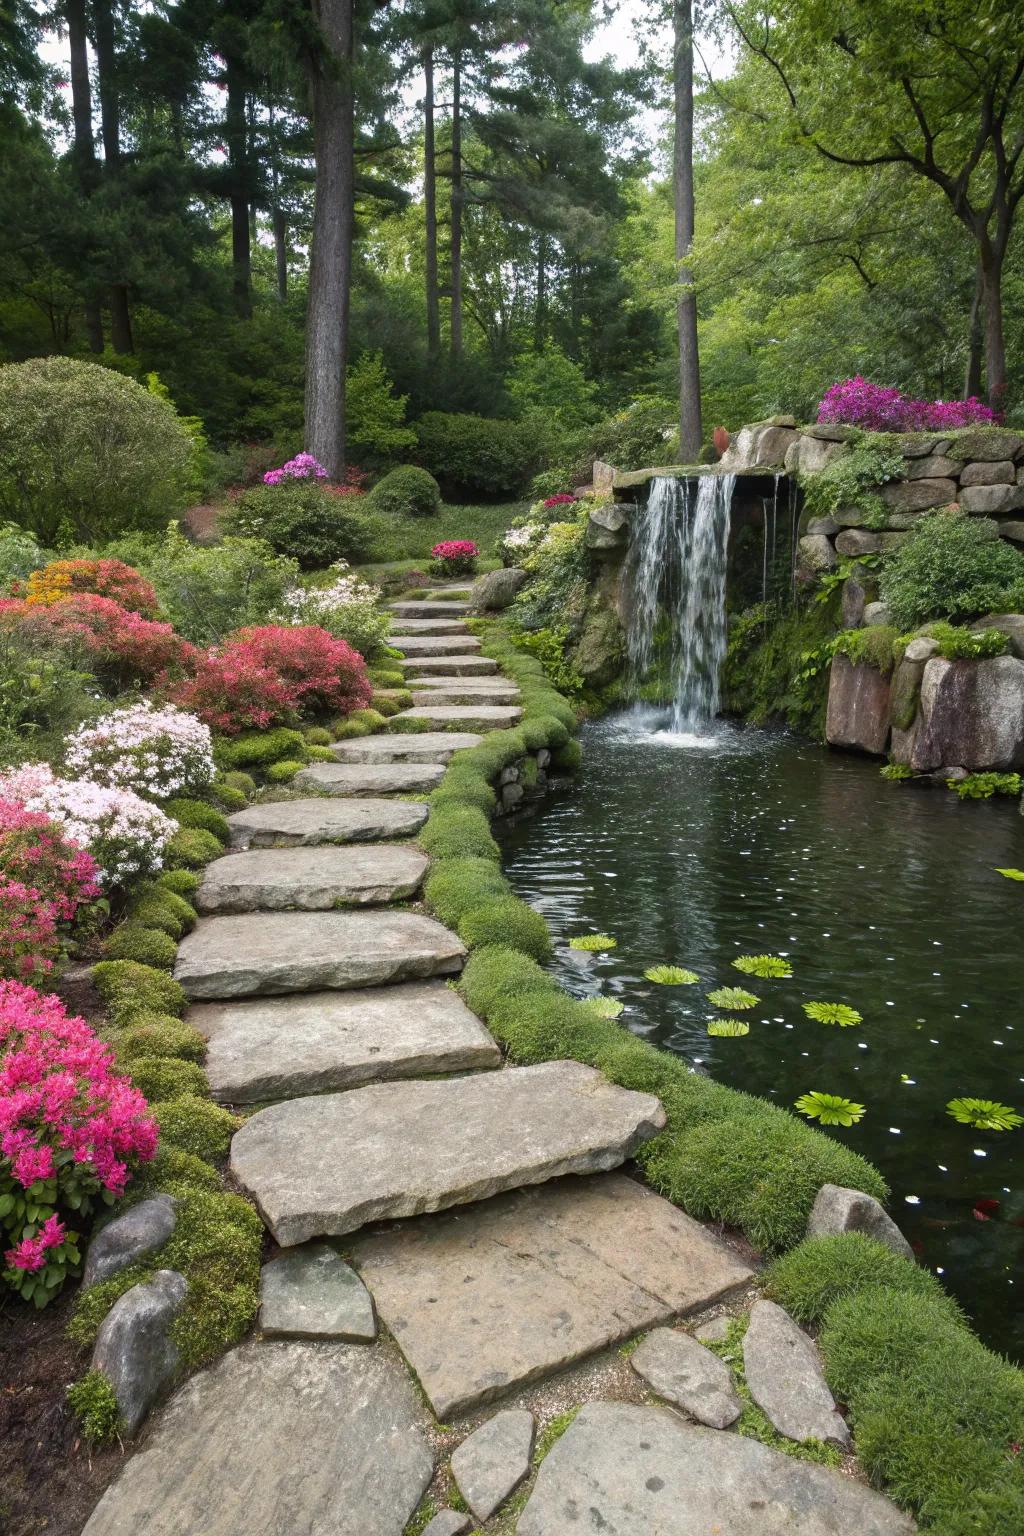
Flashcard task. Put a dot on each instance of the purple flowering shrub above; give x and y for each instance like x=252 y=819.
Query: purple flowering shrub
x=859 y=403
x=303 y=467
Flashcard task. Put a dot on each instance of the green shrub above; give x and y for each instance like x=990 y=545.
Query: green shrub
x=635 y=437
x=982 y=786
x=162 y=1078
x=93 y=1402
x=129 y=989
x=459 y=832
x=255 y=749
x=951 y=566
x=306 y=521
x=227 y=798
x=191 y=848
x=197 y=1126
x=155 y=906
x=88 y=451
x=456 y=886
x=371 y=717
x=407 y=492
x=386 y=677
x=318 y=755
x=387 y=706
x=183 y=882
x=475 y=454
x=161 y=1034
x=284 y=771
x=374 y=414
x=209 y=590
x=316 y=736
x=808 y=1279
x=239 y=783
x=196 y=813
x=147 y=946
x=873 y=646
x=506 y=920
x=962 y=644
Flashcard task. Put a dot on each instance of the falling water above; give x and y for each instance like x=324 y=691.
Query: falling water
x=678 y=565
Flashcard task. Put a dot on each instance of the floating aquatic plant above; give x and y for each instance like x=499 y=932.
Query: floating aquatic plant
x=733 y=997
x=984 y=1114
x=593 y=941
x=604 y=1007
x=830 y=1108
x=1011 y=874
x=833 y=1013
x=671 y=975
x=762 y=965
x=725 y=1028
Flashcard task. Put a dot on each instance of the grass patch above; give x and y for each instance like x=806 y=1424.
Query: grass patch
x=821 y=1270
x=412 y=538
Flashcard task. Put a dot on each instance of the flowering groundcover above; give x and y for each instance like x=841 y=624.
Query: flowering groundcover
x=857 y=402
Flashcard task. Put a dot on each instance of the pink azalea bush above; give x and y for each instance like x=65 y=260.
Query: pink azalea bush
x=303 y=467
x=122 y=647
x=44 y=879
x=859 y=403
x=563 y=499
x=454 y=557
x=157 y=752
x=71 y=1132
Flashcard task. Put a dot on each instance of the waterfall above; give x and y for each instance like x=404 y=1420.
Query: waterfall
x=678 y=565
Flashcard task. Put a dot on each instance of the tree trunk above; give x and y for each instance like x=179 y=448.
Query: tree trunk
x=84 y=150
x=430 y=210
x=975 y=339
x=995 y=349
x=540 y=319
x=682 y=183
x=330 y=267
x=236 y=136
x=280 y=223
x=456 y=242
x=110 y=127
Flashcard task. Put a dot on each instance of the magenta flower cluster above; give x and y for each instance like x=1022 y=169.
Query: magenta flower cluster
x=303 y=467
x=859 y=403
x=455 y=549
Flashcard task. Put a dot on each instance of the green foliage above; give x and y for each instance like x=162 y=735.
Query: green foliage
x=161 y=1034
x=833 y=1013
x=960 y=644
x=851 y=479
x=45 y=692
x=163 y=1078
x=814 y=1274
x=456 y=886
x=283 y=771
x=348 y=730
x=459 y=832
x=896 y=772
x=733 y=997
x=148 y=946
x=726 y=1028
x=197 y=1126
x=596 y=943
x=551 y=648
x=552 y=1432
x=239 y=783
x=871 y=647
x=196 y=813
x=830 y=1108
x=374 y=414
x=638 y=436
x=671 y=975
x=952 y=566
x=555 y=595
x=93 y=1402
x=154 y=906
x=305 y=521
x=604 y=1007
x=984 y=1114
x=129 y=989
x=550 y=388
x=183 y=882
x=255 y=749
x=763 y=965
x=407 y=492
x=85 y=450
x=982 y=786
x=191 y=848
x=476 y=454
x=209 y=590
x=776 y=666
x=1011 y=874
x=506 y=920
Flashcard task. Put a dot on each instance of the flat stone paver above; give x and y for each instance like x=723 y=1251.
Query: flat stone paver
x=492 y=1462
x=641 y=1471
x=475 y=691
x=435 y=645
x=321 y=1167
x=451 y=666
x=315 y=879
x=305 y=823
x=313 y=1042
x=686 y=1374
x=311 y=1293
x=786 y=1380
x=346 y=779
x=416 y=747
x=448 y=1522
x=483 y=717
x=424 y=608
x=486 y=1299
x=270 y=952
x=432 y=624
x=278 y=1439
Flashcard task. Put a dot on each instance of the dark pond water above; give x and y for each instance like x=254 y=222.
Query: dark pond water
x=883 y=896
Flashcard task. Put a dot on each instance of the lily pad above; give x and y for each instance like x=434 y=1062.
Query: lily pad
x=727 y=1028
x=671 y=975
x=763 y=965
x=833 y=1013
x=593 y=941
x=733 y=997
x=830 y=1108
x=984 y=1114
x=1011 y=874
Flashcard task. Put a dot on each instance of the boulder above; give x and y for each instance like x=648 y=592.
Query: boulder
x=826 y=525
x=918 y=495
x=608 y=526
x=998 y=472
x=876 y=613
x=971 y=714
x=905 y=693
x=1014 y=531
x=816 y=553
x=891 y=541
x=494 y=1460
x=837 y=1210
x=808 y=455
x=858 y=707
x=786 y=1379
x=858 y=541
x=496 y=589
x=140 y=1230
x=854 y=597
x=934 y=467
x=988 y=445
x=762 y=445
x=829 y=431
x=133 y=1347
x=1011 y=625
x=991 y=499
x=603 y=475
x=922 y=648
x=684 y=1373
x=920 y=446
x=311 y=1293
x=600 y=650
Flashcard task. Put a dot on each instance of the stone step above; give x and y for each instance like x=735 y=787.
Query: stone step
x=376 y=777
x=435 y=645
x=279 y=1438
x=482 y=717
x=321 y=1167
x=266 y=953
x=305 y=823
x=319 y=879
x=423 y=608
x=437 y=624
x=416 y=747
x=483 y=1301
x=319 y=1042
x=450 y=666
x=435 y=691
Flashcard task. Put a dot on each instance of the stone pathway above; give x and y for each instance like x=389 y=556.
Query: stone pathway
x=506 y=1248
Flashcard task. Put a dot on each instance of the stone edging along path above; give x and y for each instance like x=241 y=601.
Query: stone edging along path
x=522 y=1259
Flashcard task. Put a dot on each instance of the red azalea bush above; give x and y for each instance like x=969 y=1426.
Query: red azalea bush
x=122 y=647
x=44 y=879
x=103 y=578
x=859 y=403
x=563 y=499
x=233 y=693
x=71 y=1131
x=454 y=557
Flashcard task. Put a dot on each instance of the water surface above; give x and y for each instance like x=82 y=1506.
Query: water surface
x=692 y=849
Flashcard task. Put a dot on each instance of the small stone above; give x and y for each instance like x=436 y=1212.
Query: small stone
x=877 y=613
x=714 y=1331
x=494 y=1460
x=786 y=1380
x=496 y=589
x=838 y=1210
x=306 y=823
x=990 y=499
x=142 y=1228
x=999 y=472
x=372 y=778
x=447 y=1522
x=923 y=648
x=828 y=431
x=543 y=757
x=682 y=1371
x=312 y=1293
x=918 y=495
x=133 y=1347
x=511 y=795
x=858 y=541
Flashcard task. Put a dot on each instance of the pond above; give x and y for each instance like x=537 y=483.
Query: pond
x=692 y=850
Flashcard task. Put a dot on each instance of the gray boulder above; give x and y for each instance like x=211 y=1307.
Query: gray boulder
x=999 y=472
x=858 y=707
x=877 y=613
x=934 y=467
x=987 y=446
x=858 y=541
x=837 y=1210
x=971 y=714
x=808 y=455
x=816 y=553
x=603 y=475
x=311 y=1293
x=854 y=598
x=761 y=445
x=923 y=648
x=989 y=499
x=1014 y=531
x=786 y=1380
x=608 y=526
x=140 y=1230
x=918 y=495
x=921 y=446
x=133 y=1347
x=826 y=525
x=496 y=589
x=494 y=1460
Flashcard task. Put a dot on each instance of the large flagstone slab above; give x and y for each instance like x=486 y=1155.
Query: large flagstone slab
x=317 y=879
x=435 y=645
x=424 y=608
x=641 y=1471
x=278 y=1439
x=476 y=716
x=451 y=666
x=371 y=778
x=316 y=1042
x=321 y=1167
x=486 y=1299
x=435 y=690
x=295 y=823
x=434 y=624
x=417 y=747
x=272 y=952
